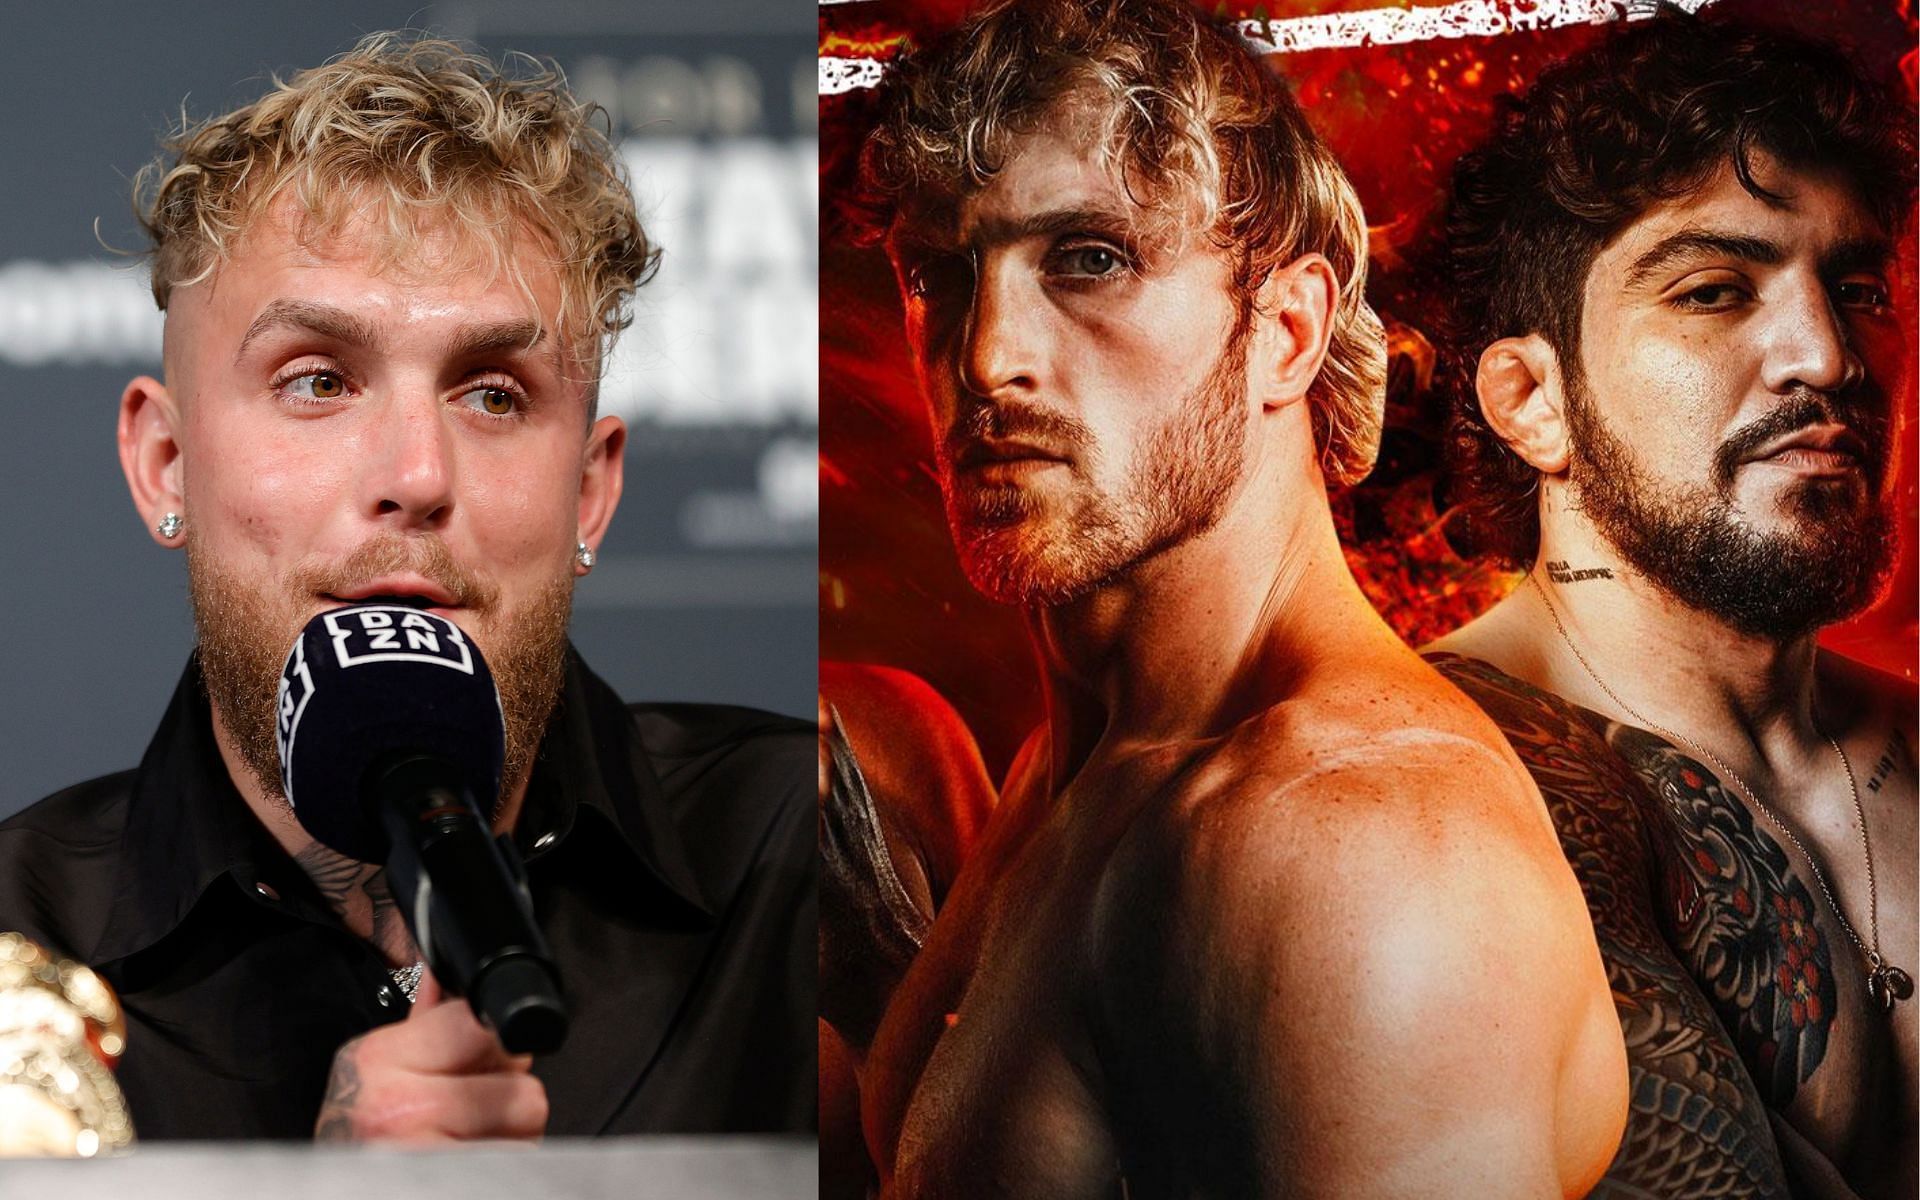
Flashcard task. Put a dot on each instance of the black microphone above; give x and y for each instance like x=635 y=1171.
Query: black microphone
x=391 y=742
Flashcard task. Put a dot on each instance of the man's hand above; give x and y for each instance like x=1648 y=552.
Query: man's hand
x=437 y=1076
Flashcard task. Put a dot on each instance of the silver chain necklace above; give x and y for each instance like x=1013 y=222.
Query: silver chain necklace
x=1886 y=983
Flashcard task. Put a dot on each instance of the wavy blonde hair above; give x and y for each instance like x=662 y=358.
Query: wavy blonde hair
x=1201 y=133
x=419 y=137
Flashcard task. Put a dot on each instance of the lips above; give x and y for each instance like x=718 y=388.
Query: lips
x=1825 y=446
x=410 y=590
x=999 y=452
x=1832 y=440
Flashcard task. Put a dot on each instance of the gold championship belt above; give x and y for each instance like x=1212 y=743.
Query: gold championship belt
x=61 y=1031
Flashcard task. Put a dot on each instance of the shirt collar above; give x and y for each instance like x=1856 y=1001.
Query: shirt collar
x=187 y=826
x=592 y=764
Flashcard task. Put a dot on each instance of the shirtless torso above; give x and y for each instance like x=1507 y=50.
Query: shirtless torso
x=1332 y=950
x=1742 y=998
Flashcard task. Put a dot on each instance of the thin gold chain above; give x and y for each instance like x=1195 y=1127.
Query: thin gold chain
x=1872 y=955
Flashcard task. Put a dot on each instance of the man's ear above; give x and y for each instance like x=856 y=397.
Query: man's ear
x=1293 y=317
x=1520 y=395
x=150 y=453
x=601 y=477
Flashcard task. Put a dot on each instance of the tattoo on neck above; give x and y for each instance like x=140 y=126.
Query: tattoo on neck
x=339 y=879
x=1895 y=753
x=358 y=893
x=1560 y=572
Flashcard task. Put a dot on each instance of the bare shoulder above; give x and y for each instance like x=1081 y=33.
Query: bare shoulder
x=1365 y=818
x=1359 y=928
x=918 y=756
x=1393 y=755
x=870 y=695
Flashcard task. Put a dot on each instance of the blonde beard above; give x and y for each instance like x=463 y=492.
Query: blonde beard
x=245 y=634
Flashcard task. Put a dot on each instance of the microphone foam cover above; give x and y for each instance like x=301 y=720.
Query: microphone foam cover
x=367 y=683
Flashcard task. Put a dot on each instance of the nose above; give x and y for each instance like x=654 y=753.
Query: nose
x=1000 y=345
x=1810 y=343
x=409 y=470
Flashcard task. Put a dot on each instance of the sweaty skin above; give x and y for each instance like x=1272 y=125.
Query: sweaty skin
x=1266 y=907
x=1773 y=306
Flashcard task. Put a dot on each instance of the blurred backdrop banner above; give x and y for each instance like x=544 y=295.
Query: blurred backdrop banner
x=706 y=585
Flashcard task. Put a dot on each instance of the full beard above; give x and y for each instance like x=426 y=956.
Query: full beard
x=245 y=633
x=1014 y=550
x=1694 y=543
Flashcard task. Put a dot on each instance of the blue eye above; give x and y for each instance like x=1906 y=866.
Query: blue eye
x=1091 y=261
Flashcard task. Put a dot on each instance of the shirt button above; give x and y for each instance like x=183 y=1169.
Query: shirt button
x=386 y=995
x=266 y=892
x=543 y=841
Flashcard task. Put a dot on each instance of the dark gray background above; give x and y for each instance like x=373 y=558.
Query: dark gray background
x=707 y=581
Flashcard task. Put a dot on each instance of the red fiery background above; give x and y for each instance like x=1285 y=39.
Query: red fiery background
x=1397 y=116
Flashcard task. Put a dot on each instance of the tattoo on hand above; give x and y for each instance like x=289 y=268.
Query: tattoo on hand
x=343 y=1089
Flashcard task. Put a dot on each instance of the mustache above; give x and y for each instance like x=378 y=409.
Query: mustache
x=396 y=554
x=1024 y=422
x=1804 y=407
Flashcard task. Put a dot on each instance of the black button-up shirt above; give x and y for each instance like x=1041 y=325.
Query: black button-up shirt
x=670 y=852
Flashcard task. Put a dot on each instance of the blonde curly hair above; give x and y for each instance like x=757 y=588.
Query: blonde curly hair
x=1202 y=133
x=418 y=136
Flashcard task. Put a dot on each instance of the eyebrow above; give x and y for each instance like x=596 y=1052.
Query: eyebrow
x=477 y=340
x=1703 y=243
x=1858 y=254
x=907 y=237
x=323 y=319
x=343 y=326
x=1054 y=222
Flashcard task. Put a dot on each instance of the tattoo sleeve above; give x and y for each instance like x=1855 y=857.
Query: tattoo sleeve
x=1696 y=1125
x=1739 y=916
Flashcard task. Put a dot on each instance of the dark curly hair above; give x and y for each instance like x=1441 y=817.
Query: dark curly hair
x=1646 y=115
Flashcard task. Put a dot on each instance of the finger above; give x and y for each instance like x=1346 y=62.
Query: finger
x=443 y=1038
x=469 y=1107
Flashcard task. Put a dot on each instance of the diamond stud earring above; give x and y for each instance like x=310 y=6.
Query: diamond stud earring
x=169 y=526
x=582 y=555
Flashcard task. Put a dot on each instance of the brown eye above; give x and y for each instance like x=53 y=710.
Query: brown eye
x=317 y=385
x=495 y=402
